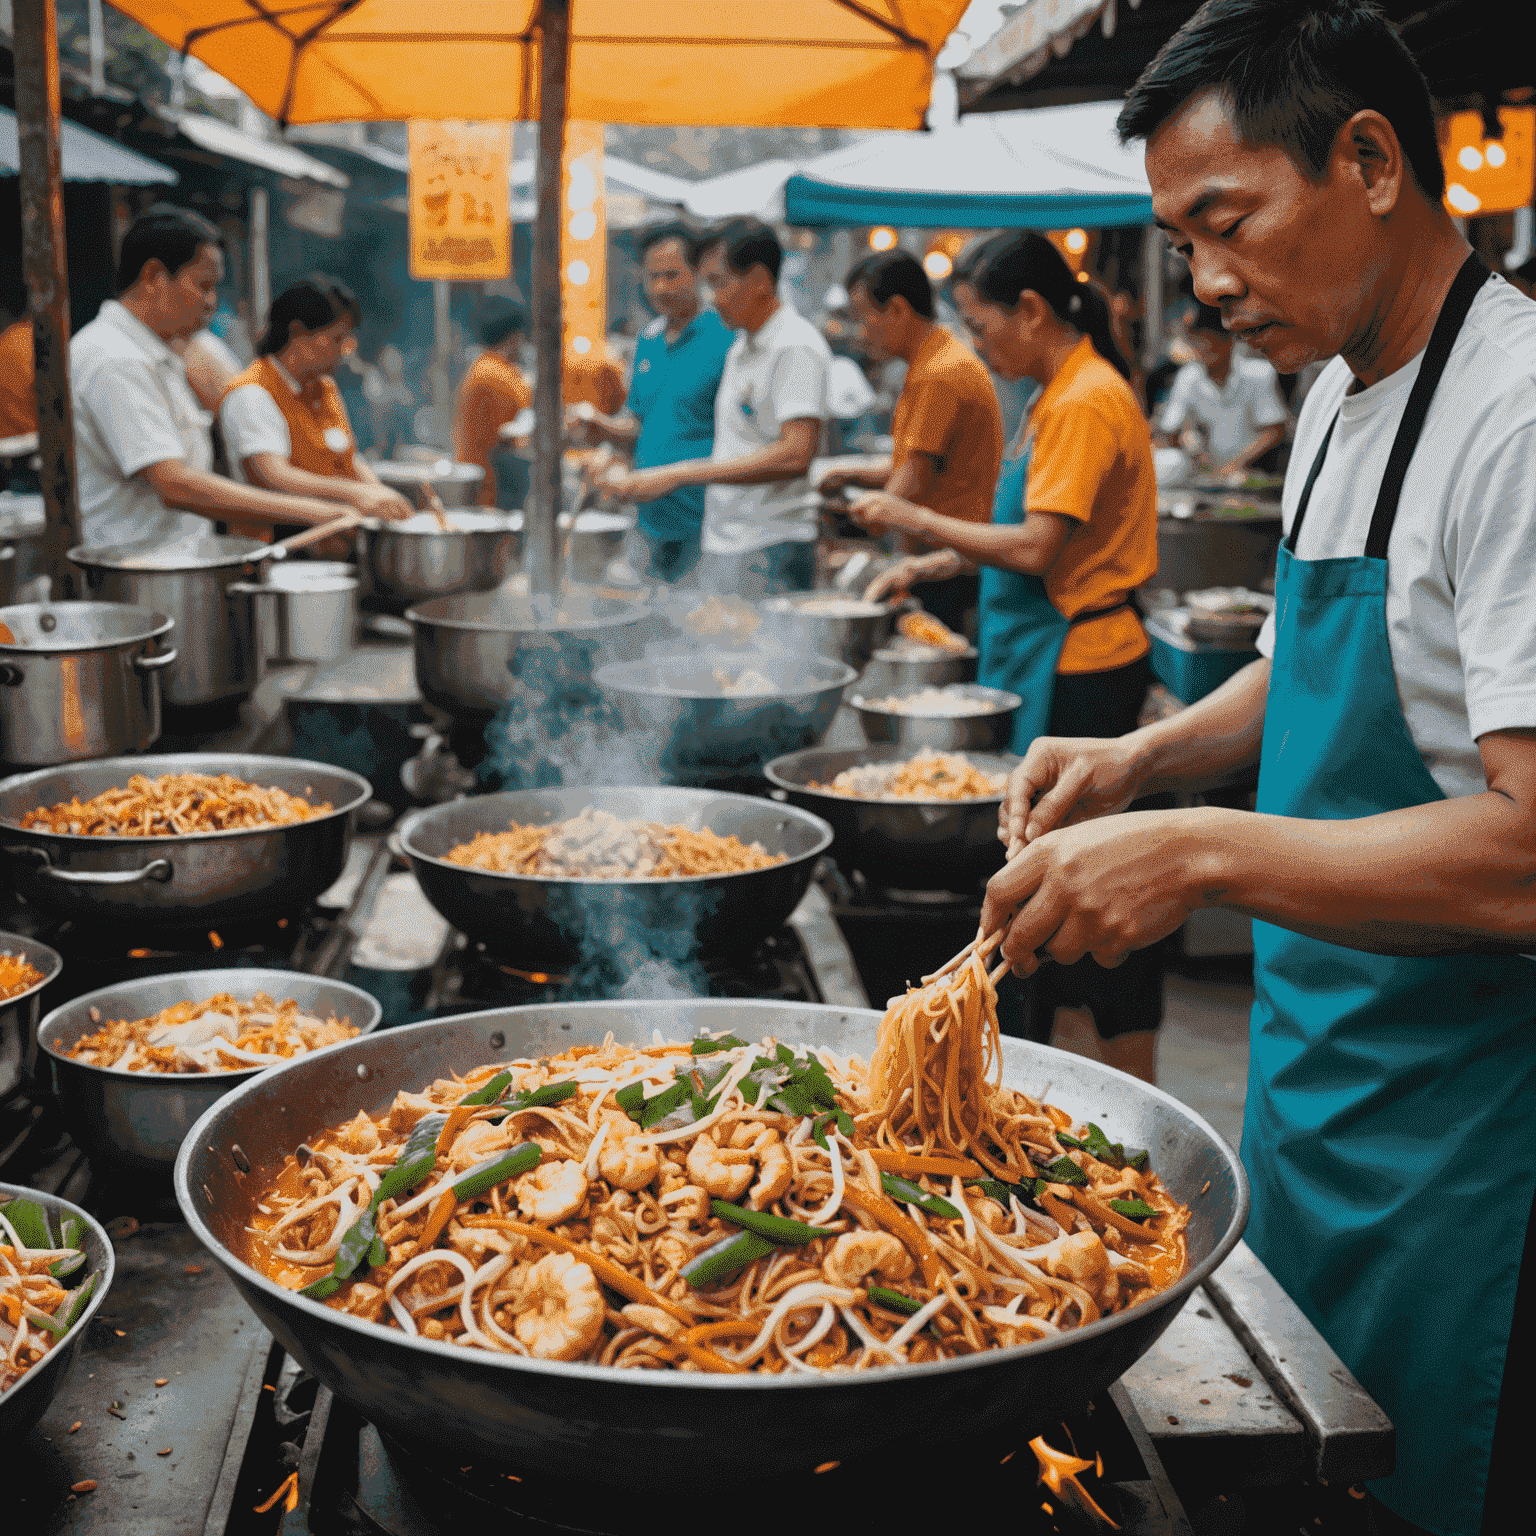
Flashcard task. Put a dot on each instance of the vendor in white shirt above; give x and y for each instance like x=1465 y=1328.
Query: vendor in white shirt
x=142 y=450
x=285 y=426
x=760 y=520
x=1235 y=401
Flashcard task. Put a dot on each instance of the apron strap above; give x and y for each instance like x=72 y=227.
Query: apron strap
x=1306 y=490
x=1101 y=613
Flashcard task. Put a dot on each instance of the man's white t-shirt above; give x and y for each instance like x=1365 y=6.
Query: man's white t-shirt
x=778 y=375
x=1461 y=565
x=133 y=408
x=1232 y=414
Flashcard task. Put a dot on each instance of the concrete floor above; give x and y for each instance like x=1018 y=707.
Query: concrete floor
x=1203 y=1048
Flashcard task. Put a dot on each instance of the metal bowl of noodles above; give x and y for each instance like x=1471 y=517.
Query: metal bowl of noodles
x=606 y=1426
x=960 y=717
x=829 y=624
x=18 y=1013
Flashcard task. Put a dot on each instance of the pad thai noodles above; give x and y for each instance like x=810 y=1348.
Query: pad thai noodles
x=928 y=775
x=932 y=703
x=729 y=1207
x=43 y=1290
x=597 y=845
x=219 y=1034
x=174 y=805
x=17 y=975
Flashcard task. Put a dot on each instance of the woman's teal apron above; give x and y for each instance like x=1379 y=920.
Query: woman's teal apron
x=1391 y=1102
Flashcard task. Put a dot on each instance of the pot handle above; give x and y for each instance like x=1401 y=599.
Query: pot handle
x=252 y=589
x=157 y=869
x=156 y=663
x=11 y=676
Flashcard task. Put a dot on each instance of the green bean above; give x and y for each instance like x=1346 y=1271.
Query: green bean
x=494 y=1170
x=914 y=1194
x=718 y=1263
x=777 y=1229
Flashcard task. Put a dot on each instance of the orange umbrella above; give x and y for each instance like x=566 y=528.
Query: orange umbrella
x=750 y=63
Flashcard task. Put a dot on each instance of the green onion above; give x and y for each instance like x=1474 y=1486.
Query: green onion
x=914 y=1194
x=1098 y=1145
x=778 y=1229
x=894 y=1300
x=630 y=1099
x=1139 y=1210
x=534 y=1098
x=709 y=1047
x=724 y=1259
x=491 y=1091
x=495 y=1170
x=819 y=1126
x=1065 y=1171
x=78 y=1301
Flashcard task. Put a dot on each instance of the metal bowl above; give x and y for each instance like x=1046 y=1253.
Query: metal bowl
x=456 y=484
x=955 y=733
x=895 y=668
x=137 y=1120
x=23 y=1404
x=617 y=1426
x=201 y=879
x=18 y=1015
x=681 y=719
x=851 y=637
x=557 y=922
x=409 y=564
x=915 y=845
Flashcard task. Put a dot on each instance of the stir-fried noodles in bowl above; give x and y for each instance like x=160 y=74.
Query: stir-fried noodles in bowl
x=515 y=1264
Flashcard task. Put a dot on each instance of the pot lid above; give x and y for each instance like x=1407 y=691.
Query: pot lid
x=205 y=552
x=64 y=627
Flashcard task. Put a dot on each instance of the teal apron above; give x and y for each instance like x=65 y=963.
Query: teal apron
x=1391 y=1101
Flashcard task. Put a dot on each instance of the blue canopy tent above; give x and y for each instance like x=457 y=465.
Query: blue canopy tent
x=1052 y=168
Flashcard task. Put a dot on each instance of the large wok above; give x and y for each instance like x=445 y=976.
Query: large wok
x=916 y=845
x=555 y=923
x=200 y=879
x=642 y=1428
x=18 y=1015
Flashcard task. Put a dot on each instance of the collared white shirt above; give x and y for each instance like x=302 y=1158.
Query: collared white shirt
x=133 y=408
x=253 y=423
x=1232 y=413
x=778 y=375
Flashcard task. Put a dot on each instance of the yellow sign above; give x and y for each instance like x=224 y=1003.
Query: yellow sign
x=583 y=244
x=1487 y=175
x=461 y=215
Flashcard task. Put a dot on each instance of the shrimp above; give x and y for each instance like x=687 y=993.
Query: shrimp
x=854 y=1256
x=478 y=1140
x=725 y=1174
x=560 y=1313
x=775 y=1171
x=1083 y=1259
x=552 y=1193
x=624 y=1162
x=359 y=1134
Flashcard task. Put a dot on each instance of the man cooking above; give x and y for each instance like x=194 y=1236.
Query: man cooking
x=141 y=440
x=1235 y=401
x=760 y=515
x=1392 y=1084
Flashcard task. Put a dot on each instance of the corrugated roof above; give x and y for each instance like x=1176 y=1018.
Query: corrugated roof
x=223 y=138
x=86 y=156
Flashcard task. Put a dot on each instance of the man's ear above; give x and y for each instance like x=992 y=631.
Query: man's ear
x=1366 y=149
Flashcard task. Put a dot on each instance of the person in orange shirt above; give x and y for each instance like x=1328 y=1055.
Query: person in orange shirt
x=947 y=427
x=494 y=392
x=18 y=404
x=1074 y=533
x=284 y=424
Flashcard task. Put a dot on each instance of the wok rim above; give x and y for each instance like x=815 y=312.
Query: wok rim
x=9 y=945
x=419 y=619
x=362 y=793
x=772 y=771
x=910 y=690
x=611 y=684
x=793 y=603
x=183 y=1080
x=158 y=627
x=76 y=1335
x=414 y=819
x=92 y=557
x=702 y=1381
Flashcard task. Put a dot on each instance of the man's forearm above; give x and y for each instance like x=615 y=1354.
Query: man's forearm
x=1007 y=545
x=1269 y=437
x=270 y=471
x=766 y=466
x=186 y=489
x=1203 y=746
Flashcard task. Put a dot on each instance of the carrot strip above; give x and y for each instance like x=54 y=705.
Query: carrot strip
x=287 y=1489
x=442 y=1208
x=915 y=1163
x=705 y=1331
x=1100 y=1210
x=912 y=1236
x=1062 y=1213
x=458 y=1117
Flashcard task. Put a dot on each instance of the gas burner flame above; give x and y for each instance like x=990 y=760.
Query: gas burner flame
x=1059 y=1473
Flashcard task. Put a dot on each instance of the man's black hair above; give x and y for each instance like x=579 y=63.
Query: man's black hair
x=171 y=236
x=500 y=318
x=1294 y=72
x=313 y=303
x=887 y=273
x=748 y=243
x=659 y=234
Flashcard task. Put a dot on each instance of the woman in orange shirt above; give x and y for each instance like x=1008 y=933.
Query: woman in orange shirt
x=1074 y=533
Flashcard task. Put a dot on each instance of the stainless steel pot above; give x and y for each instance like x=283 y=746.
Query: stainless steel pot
x=681 y=718
x=456 y=485
x=306 y=610
x=474 y=652
x=201 y=879
x=918 y=845
x=81 y=680
x=18 y=1015
x=557 y=923
x=851 y=637
x=897 y=666
x=953 y=733
x=22 y=1405
x=198 y=584
x=592 y=541
x=411 y=562
x=621 y=1427
x=137 y=1120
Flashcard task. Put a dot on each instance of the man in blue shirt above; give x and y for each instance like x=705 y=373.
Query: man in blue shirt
x=670 y=413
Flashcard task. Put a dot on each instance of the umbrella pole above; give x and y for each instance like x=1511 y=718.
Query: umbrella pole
x=35 y=40
x=541 y=531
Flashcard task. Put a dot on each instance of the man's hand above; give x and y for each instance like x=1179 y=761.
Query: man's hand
x=379 y=501
x=640 y=485
x=581 y=422
x=1063 y=781
x=879 y=510
x=900 y=577
x=1103 y=888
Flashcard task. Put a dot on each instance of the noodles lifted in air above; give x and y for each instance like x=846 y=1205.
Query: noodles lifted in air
x=174 y=805
x=597 y=845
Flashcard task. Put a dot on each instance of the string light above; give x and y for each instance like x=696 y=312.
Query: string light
x=882 y=239
x=937 y=265
x=1076 y=241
